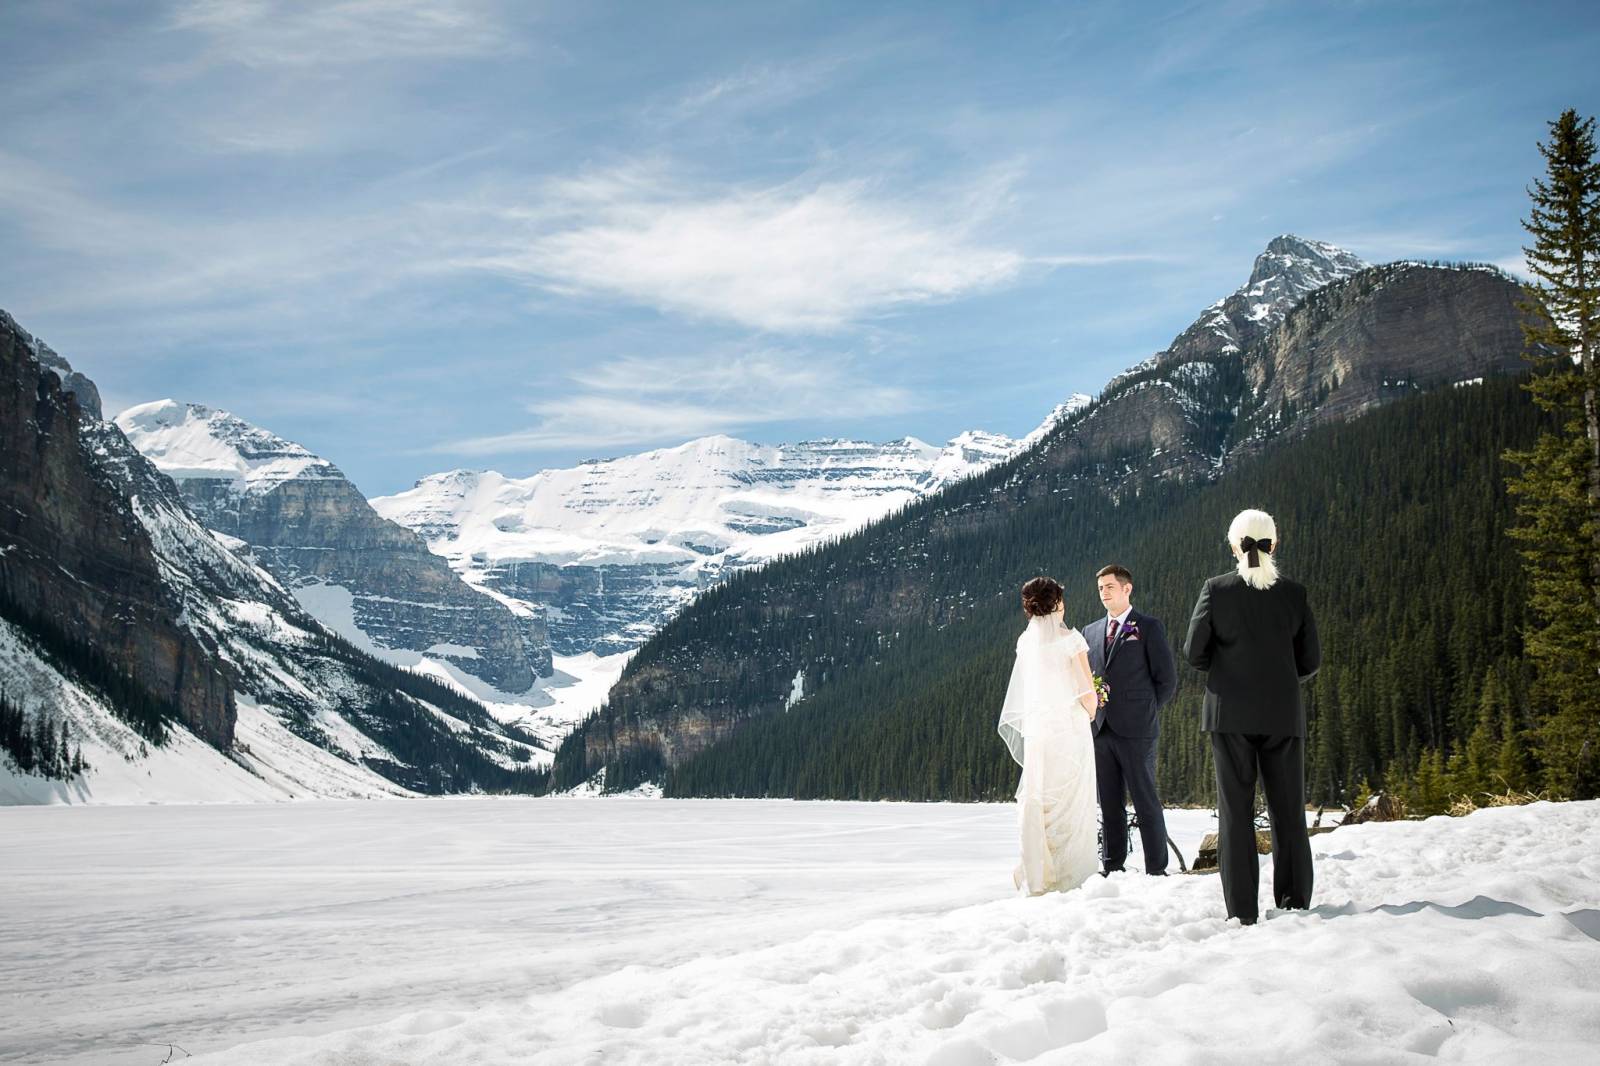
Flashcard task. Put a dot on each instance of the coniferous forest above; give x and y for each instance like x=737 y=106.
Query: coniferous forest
x=1397 y=524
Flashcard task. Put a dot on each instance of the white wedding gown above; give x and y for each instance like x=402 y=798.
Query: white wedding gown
x=1049 y=734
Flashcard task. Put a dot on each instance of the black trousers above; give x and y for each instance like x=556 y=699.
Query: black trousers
x=1280 y=762
x=1127 y=766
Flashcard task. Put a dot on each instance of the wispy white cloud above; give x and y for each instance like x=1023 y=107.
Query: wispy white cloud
x=1105 y=259
x=634 y=401
x=1400 y=243
x=804 y=256
x=146 y=259
x=286 y=33
x=754 y=87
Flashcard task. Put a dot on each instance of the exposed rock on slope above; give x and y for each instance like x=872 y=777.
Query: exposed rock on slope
x=301 y=519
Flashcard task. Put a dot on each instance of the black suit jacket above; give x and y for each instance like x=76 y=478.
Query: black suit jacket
x=1140 y=670
x=1256 y=645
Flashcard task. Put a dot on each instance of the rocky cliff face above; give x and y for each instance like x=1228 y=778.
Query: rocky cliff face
x=362 y=575
x=73 y=551
x=1170 y=415
x=1277 y=357
x=1380 y=334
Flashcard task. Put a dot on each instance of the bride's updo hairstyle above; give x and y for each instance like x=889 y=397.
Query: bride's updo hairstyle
x=1041 y=596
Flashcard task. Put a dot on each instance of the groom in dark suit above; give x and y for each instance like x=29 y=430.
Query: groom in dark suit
x=1131 y=652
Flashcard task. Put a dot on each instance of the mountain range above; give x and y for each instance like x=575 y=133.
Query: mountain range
x=281 y=601
x=233 y=596
x=613 y=548
x=1313 y=339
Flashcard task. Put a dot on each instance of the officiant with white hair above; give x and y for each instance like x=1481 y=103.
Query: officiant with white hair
x=1254 y=636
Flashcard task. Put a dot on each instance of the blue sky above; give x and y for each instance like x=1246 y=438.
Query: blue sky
x=428 y=234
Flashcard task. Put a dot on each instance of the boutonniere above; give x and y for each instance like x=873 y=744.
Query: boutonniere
x=1131 y=630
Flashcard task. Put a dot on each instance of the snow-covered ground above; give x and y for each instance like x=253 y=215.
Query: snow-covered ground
x=553 y=931
x=574 y=691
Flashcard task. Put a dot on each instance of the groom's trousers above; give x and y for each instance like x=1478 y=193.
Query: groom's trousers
x=1279 y=761
x=1126 y=766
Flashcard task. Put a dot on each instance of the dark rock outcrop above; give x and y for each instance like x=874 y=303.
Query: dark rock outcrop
x=74 y=553
x=1381 y=334
x=1246 y=371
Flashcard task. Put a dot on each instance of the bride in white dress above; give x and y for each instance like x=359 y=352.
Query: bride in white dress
x=1045 y=722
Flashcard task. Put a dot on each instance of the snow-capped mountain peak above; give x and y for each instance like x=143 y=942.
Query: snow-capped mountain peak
x=194 y=441
x=1289 y=268
x=1285 y=272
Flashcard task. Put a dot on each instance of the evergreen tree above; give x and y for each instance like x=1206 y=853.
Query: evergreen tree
x=1511 y=762
x=44 y=745
x=1558 y=488
x=1430 y=791
x=1473 y=765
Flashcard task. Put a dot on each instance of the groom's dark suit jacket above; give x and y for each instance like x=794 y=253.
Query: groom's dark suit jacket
x=1256 y=646
x=1140 y=670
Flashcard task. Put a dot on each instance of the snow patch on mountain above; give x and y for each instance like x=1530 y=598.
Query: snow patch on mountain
x=1062 y=411
x=194 y=441
x=610 y=549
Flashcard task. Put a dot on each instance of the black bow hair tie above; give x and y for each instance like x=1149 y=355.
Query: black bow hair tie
x=1251 y=544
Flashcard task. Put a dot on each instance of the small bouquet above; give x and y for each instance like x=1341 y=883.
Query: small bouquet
x=1102 y=690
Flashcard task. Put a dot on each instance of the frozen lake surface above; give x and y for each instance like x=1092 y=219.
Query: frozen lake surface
x=560 y=931
x=207 y=925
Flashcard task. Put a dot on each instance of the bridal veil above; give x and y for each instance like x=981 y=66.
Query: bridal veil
x=1048 y=733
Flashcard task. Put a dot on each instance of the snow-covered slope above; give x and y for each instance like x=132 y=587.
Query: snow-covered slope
x=613 y=548
x=268 y=762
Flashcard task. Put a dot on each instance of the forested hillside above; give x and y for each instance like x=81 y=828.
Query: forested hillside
x=1395 y=521
x=836 y=627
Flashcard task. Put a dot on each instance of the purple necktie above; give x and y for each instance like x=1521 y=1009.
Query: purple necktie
x=1111 y=634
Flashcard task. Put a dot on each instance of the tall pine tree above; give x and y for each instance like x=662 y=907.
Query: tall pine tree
x=1558 y=489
